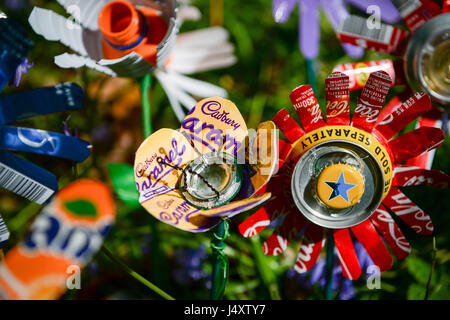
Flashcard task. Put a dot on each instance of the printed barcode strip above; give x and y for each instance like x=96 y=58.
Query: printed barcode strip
x=22 y=185
x=358 y=26
x=4 y=232
x=406 y=7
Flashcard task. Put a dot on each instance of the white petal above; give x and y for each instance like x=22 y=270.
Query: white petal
x=54 y=27
x=67 y=60
x=84 y=11
x=168 y=88
x=197 y=87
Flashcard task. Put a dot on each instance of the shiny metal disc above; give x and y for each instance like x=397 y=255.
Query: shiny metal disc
x=355 y=171
x=211 y=180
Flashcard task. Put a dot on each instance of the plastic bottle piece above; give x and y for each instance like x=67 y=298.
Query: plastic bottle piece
x=126 y=29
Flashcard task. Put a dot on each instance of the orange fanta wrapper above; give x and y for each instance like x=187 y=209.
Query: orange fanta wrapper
x=62 y=239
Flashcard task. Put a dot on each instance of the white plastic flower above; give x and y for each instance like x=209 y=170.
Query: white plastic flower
x=176 y=55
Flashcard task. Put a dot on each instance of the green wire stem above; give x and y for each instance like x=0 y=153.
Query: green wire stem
x=146 y=83
x=220 y=261
x=264 y=270
x=433 y=264
x=136 y=275
x=329 y=267
x=311 y=77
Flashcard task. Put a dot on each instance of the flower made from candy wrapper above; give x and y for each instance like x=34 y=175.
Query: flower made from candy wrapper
x=344 y=176
x=135 y=38
x=424 y=52
x=16 y=174
x=194 y=177
x=336 y=11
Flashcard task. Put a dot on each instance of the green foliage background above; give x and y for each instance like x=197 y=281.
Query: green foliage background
x=269 y=66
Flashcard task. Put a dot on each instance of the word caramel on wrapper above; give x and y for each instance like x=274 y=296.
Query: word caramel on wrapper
x=68 y=232
x=192 y=177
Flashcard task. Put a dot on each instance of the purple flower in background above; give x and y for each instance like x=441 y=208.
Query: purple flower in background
x=317 y=275
x=67 y=130
x=335 y=10
x=191 y=266
x=22 y=68
x=15 y=5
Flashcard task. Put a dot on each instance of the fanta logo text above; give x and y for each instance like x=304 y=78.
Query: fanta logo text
x=50 y=234
x=212 y=109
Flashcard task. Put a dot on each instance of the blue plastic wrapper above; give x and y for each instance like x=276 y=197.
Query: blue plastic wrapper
x=16 y=174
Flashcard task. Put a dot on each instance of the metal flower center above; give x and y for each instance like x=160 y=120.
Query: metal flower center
x=211 y=180
x=428 y=59
x=337 y=184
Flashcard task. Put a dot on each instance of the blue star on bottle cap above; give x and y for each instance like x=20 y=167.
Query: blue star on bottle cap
x=340 y=188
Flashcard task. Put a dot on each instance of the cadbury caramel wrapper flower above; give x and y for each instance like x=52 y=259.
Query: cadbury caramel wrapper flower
x=344 y=176
x=16 y=174
x=424 y=65
x=63 y=238
x=210 y=169
x=135 y=38
x=335 y=10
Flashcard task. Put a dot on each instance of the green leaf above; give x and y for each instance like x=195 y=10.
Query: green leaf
x=416 y=292
x=122 y=177
x=419 y=269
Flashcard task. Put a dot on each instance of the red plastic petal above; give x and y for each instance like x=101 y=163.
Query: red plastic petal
x=398 y=116
x=391 y=233
x=446 y=6
x=288 y=126
x=415 y=143
x=255 y=223
x=307 y=107
x=371 y=101
x=432 y=118
x=405 y=176
x=283 y=149
x=409 y=212
x=313 y=242
x=337 y=97
x=369 y=238
x=346 y=254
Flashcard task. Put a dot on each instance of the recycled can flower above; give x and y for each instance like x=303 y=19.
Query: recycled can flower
x=207 y=170
x=336 y=11
x=62 y=239
x=344 y=176
x=134 y=38
x=424 y=63
x=16 y=174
